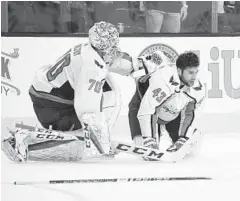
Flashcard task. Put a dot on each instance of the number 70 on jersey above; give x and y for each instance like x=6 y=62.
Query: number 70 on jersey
x=95 y=85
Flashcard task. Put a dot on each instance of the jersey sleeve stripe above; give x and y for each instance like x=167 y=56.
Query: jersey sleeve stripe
x=153 y=126
x=49 y=97
x=189 y=118
x=187 y=123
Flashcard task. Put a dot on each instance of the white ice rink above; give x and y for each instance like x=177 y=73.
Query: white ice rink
x=219 y=158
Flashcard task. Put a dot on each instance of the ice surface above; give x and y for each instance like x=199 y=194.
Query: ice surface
x=219 y=158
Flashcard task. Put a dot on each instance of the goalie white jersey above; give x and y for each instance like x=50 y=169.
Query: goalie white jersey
x=165 y=99
x=76 y=78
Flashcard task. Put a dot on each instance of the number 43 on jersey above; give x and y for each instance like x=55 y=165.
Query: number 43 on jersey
x=158 y=94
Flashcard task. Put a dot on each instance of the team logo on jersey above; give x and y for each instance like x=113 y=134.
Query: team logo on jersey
x=168 y=51
x=7 y=85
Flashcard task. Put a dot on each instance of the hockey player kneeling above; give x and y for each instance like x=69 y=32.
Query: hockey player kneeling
x=162 y=112
x=70 y=98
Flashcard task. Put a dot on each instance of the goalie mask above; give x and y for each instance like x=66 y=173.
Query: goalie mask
x=105 y=37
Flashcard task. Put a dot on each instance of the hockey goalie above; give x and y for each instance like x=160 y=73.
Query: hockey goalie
x=76 y=101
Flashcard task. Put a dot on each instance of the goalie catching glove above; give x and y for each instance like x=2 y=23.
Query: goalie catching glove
x=138 y=66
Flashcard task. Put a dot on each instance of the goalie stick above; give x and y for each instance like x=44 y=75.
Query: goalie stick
x=117 y=146
x=111 y=180
x=55 y=137
x=154 y=154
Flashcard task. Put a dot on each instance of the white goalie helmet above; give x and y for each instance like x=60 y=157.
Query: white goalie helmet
x=105 y=37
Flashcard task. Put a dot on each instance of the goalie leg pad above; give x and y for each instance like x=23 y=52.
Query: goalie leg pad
x=60 y=146
x=97 y=125
x=37 y=144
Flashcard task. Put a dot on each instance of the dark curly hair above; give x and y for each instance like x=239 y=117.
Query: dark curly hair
x=187 y=59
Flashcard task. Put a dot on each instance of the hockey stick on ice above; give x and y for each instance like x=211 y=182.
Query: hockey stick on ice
x=115 y=145
x=150 y=153
x=118 y=146
x=111 y=180
x=54 y=136
x=168 y=156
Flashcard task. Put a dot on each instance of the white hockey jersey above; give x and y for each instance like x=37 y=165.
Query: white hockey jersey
x=76 y=79
x=165 y=99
